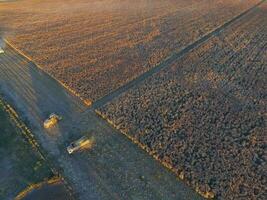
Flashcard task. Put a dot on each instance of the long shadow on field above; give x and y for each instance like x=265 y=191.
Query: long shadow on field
x=35 y=94
x=51 y=97
x=115 y=168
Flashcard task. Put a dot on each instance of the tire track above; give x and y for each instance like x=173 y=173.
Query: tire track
x=25 y=79
x=24 y=95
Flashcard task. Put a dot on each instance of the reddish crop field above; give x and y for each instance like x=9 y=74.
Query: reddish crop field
x=204 y=116
x=94 y=47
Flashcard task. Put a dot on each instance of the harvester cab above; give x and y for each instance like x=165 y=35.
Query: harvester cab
x=52 y=120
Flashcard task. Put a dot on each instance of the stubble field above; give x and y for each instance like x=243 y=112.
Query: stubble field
x=204 y=116
x=94 y=47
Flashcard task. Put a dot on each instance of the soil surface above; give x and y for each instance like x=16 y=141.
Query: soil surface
x=54 y=191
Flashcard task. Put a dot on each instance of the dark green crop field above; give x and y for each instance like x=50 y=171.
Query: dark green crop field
x=20 y=165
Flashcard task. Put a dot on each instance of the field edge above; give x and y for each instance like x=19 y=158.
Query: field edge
x=86 y=102
x=178 y=174
x=30 y=138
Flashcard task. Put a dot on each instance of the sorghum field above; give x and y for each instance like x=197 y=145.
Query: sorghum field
x=204 y=116
x=94 y=46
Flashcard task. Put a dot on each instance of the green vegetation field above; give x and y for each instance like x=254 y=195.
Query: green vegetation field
x=20 y=165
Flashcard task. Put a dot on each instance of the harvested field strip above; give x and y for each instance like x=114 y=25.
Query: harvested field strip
x=28 y=135
x=169 y=60
x=29 y=93
x=85 y=101
x=28 y=71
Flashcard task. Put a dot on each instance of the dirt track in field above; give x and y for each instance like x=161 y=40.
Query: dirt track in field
x=113 y=169
x=175 y=56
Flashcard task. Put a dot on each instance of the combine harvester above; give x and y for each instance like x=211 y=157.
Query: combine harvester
x=52 y=120
x=82 y=143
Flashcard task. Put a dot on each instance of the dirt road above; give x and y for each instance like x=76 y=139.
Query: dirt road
x=113 y=169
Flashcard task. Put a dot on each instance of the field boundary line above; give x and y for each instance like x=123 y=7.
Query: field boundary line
x=179 y=174
x=25 y=192
x=170 y=59
x=28 y=135
x=86 y=102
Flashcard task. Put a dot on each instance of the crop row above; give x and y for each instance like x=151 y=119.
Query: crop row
x=95 y=47
x=205 y=115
